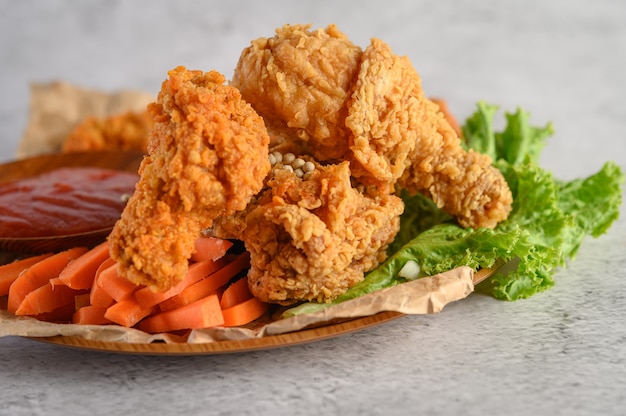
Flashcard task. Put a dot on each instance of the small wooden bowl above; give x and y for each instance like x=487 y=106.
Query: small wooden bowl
x=25 y=168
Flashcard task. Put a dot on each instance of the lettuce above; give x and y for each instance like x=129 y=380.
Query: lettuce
x=548 y=223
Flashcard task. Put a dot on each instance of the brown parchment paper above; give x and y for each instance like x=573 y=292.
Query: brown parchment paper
x=423 y=296
x=55 y=110
x=57 y=107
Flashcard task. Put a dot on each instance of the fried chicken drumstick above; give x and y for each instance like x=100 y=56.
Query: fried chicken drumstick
x=207 y=157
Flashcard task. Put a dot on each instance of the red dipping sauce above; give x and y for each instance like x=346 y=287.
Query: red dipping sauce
x=64 y=201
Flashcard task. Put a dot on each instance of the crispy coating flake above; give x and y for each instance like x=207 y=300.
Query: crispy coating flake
x=207 y=157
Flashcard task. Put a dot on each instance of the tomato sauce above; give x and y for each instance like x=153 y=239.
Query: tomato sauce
x=64 y=201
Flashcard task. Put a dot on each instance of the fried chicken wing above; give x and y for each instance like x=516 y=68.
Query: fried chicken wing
x=313 y=237
x=299 y=81
x=207 y=157
x=403 y=139
x=126 y=131
x=384 y=115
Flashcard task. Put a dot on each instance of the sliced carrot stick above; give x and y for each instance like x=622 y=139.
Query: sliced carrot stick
x=235 y=293
x=203 y=313
x=98 y=296
x=79 y=274
x=47 y=298
x=127 y=312
x=81 y=300
x=61 y=315
x=245 y=312
x=197 y=271
x=40 y=274
x=90 y=315
x=9 y=272
x=116 y=286
x=210 y=248
x=208 y=285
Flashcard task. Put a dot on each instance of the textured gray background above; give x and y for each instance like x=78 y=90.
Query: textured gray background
x=562 y=352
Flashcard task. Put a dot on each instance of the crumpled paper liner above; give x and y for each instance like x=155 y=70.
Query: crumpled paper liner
x=57 y=107
x=428 y=295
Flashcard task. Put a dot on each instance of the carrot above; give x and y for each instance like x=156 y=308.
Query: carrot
x=210 y=248
x=235 y=293
x=97 y=295
x=116 y=286
x=90 y=315
x=127 y=312
x=62 y=314
x=40 y=274
x=197 y=271
x=47 y=298
x=9 y=272
x=244 y=312
x=208 y=285
x=79 y=274
x=81 y=300
x=203 y=313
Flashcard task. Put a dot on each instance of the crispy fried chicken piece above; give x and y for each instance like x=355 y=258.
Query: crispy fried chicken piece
x=401 y=138
x=447 y=114
x=208 y=155
x=299 y=80
x=125 y=131
x=312 y=238
x=384 y=116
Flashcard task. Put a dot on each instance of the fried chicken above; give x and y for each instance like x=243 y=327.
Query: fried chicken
x=299 y=81
x=323 y=96
x=402 y=139
x=125 y=131
x=447 y=114
x=207 y=157
x=312 y=236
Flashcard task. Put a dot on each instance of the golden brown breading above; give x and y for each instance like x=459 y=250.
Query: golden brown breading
x=207 y=157
x=126 y=131
x=313 y=238
x=384 y=115
x=300 y=80
x=447 y=114
x=401 y=138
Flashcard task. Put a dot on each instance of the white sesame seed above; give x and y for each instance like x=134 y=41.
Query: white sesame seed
x=299 y=172
x=298 y=163
x=278 y=156
x=289 y=158
x=308 y=167
x=288 y=168
x=272 y=159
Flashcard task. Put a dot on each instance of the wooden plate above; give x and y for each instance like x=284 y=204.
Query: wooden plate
x=227 y=347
